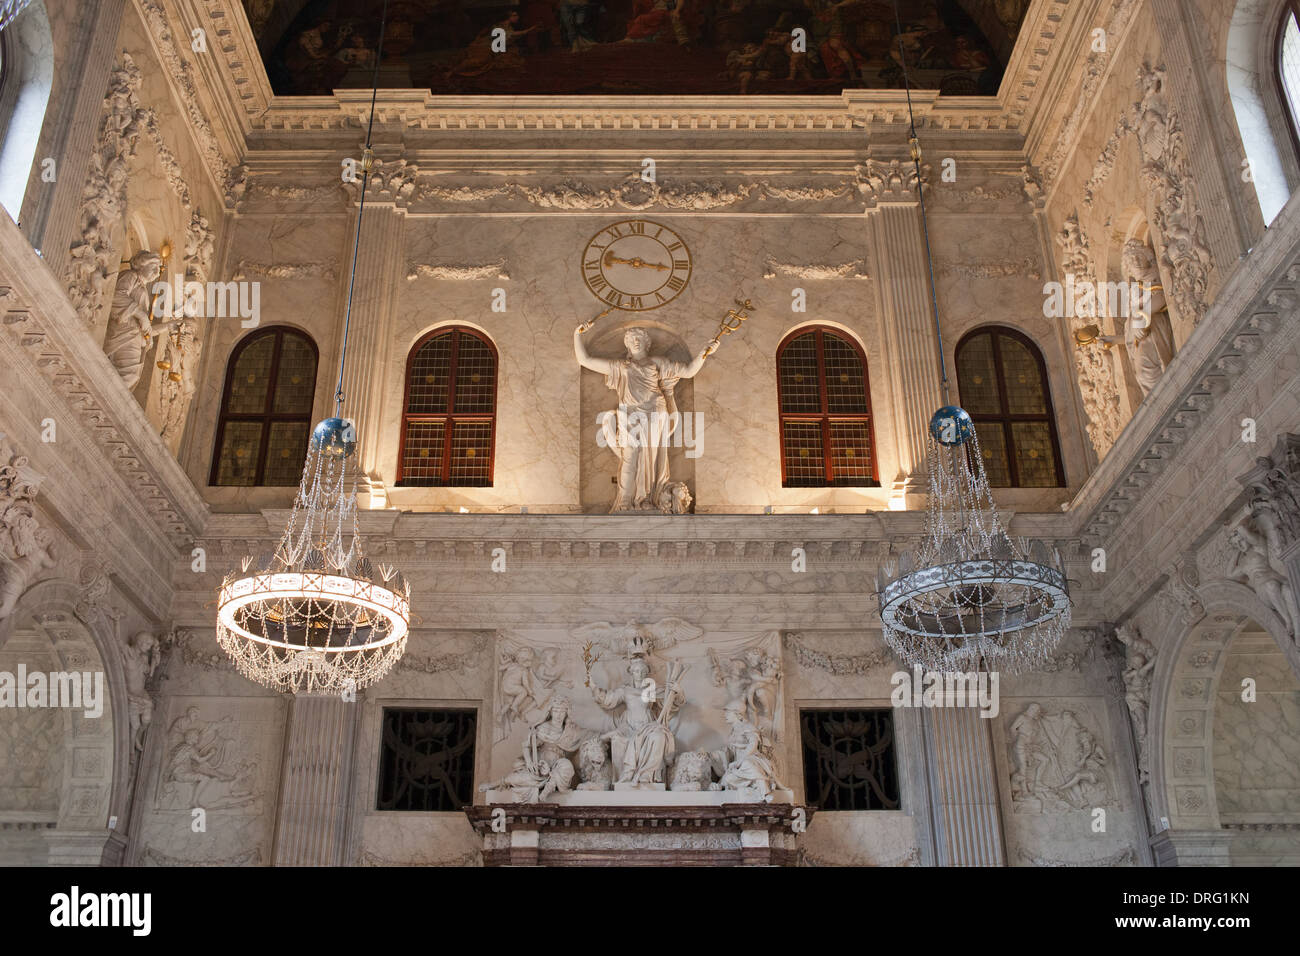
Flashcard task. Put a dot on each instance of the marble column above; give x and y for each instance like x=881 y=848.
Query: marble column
x=911 y=348
x=315 y=782
x=51 y=213
x=379 y=272
x=968 y=821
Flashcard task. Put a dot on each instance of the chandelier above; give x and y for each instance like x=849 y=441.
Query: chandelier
x=316 y=615
x=972 y=597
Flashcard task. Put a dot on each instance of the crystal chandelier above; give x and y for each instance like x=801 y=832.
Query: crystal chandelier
x=972 y=597
x=316 y=616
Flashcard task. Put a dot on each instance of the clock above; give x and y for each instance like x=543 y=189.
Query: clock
x=636 y=265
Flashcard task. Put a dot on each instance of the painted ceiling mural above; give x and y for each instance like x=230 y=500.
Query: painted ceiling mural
x=959 y=47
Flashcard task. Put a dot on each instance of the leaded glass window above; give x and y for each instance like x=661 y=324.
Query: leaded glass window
x=1002 y=381
x=266 y=409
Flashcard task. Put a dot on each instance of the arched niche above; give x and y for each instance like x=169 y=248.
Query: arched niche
x=1185 y=690
x=597 y=465
x=64 y=819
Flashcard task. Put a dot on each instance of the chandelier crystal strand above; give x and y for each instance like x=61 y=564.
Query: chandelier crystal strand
x=316 y=615
x=972 y=598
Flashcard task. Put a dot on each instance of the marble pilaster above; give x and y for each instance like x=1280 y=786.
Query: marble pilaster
x=964 y=792
x=314 y=784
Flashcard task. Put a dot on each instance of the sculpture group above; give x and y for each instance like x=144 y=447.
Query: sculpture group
x=638 y=750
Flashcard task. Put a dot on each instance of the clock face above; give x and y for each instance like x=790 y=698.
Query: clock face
x=636 y=265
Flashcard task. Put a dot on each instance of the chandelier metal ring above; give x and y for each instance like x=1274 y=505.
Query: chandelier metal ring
x=1027 y=576
x=260 y=590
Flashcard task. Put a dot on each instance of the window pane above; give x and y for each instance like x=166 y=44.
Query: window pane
x=846 y=392
x=237 y=458
x=977 y=380
x=1020 y=372
x=476 y=373
x=1035 y=458
x=286 y=453
x=1291 y=64
x=422 y=455
x=804 y=461
x=851 y=452
x=993 y=447
x=295 y=382
x=798 y=374
x=251 y=377
x=430 y=376
x=471 y=453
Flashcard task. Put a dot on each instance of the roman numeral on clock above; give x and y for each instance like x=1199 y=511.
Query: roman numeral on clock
x=676 y=284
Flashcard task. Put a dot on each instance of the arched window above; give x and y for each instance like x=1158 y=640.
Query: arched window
x=1288 y=66
x=266 y=409
x=826 y=431
x=1003 y=385
x=26 y=78
x=449 y=419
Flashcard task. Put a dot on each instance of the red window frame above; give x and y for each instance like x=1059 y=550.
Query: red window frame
x=825 y=417
x=1004 y=419
x=451 y=417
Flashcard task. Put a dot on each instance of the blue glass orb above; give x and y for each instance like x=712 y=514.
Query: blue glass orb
x=951 y=425
x=335 y=437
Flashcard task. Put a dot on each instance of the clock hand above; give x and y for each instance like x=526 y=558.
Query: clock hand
x=636 y=262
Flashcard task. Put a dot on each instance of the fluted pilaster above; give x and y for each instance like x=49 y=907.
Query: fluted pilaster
x=314 y=784
x=965 y=794
x=379 y=270
x=911 y=347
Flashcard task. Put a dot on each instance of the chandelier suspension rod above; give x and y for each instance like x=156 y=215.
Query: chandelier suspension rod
x=367 y=160
x=915 y=148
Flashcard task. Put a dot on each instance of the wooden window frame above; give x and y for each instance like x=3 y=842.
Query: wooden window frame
x=1006 y=418
x=1290 y=107
x=268 y=416
x=451 y=416
x=825 y=416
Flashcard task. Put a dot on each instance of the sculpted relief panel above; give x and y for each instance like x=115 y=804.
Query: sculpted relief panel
x=220 y=756
x=642 y=707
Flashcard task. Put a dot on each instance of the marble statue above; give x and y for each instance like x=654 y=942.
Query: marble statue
x=26 y=548
x=692 y=771
x=130 y=322
x=593 y=765
x=645 y=384
x=1139 y=662
x=179 y=381
x=142 y=656
x=641 y=743
x=545 y=766
x=753 y=683
x=747 y=768
x=1250 y=564
x=1148 y=334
